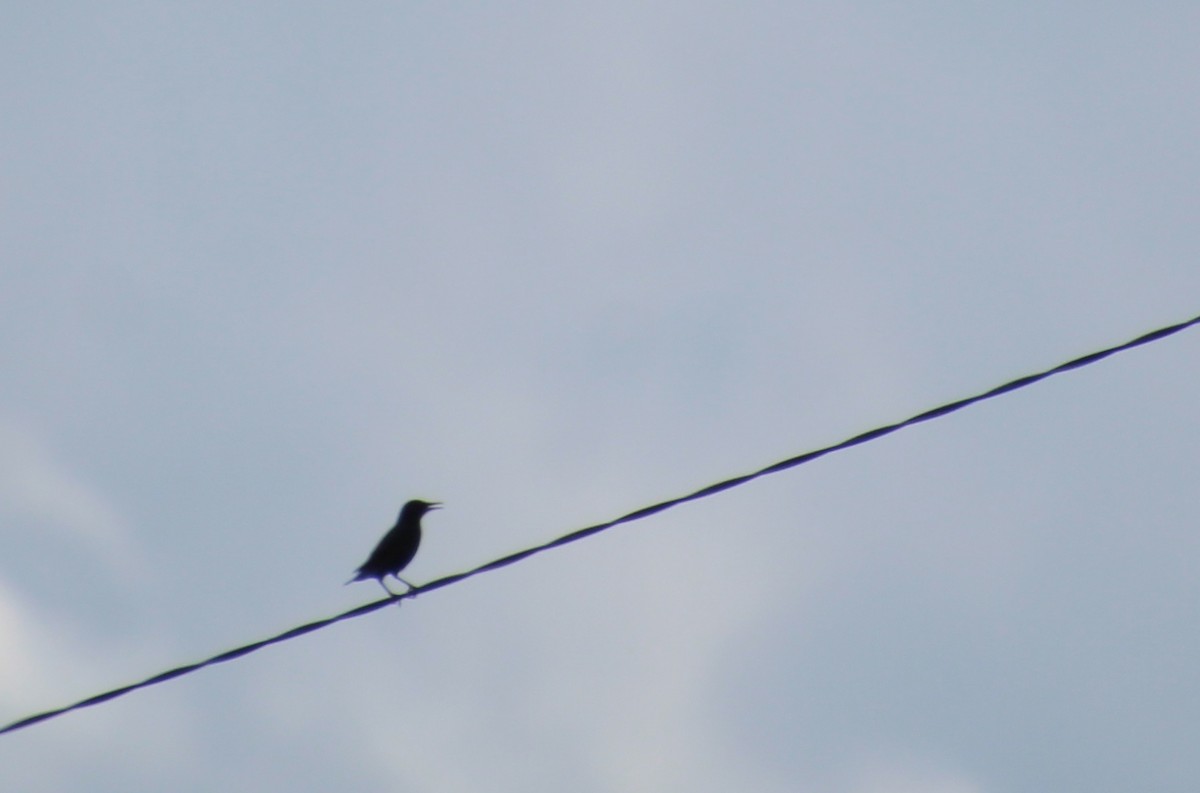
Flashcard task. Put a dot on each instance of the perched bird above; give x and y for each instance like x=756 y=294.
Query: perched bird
x=398 y=546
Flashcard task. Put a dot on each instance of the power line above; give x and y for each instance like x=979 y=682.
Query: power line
x=637 y=514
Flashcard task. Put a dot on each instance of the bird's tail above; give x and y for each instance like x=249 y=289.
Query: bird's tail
x=358 y=576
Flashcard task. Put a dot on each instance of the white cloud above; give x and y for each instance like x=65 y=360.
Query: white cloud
x=20 y=679
x=48 y=661
x=897 y=775
x=37 y=484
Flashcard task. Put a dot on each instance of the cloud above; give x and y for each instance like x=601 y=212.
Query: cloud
x=48 y=660
x=19 y=678
x=37 y=484
x=893 y=775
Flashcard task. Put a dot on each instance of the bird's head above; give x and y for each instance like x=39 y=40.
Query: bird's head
x=417 y=507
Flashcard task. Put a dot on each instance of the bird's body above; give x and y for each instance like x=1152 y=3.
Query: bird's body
x=398 y=546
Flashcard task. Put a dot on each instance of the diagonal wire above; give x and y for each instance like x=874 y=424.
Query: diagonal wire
x=638 y=514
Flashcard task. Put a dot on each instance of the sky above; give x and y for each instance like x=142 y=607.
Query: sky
x=270 y=270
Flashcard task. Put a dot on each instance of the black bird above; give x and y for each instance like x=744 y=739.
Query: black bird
x=398 y=546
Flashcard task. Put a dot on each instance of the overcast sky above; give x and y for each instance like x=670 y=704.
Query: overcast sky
x=269 y=270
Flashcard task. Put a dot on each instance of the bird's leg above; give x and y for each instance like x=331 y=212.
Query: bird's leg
x=401 y=580
x=385 y=587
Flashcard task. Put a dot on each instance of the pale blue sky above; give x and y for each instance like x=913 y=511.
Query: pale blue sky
x=268 y=273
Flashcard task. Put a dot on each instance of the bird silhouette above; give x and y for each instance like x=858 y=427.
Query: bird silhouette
x=398 y=546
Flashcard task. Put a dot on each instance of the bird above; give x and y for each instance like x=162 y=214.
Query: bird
x=398 y=546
